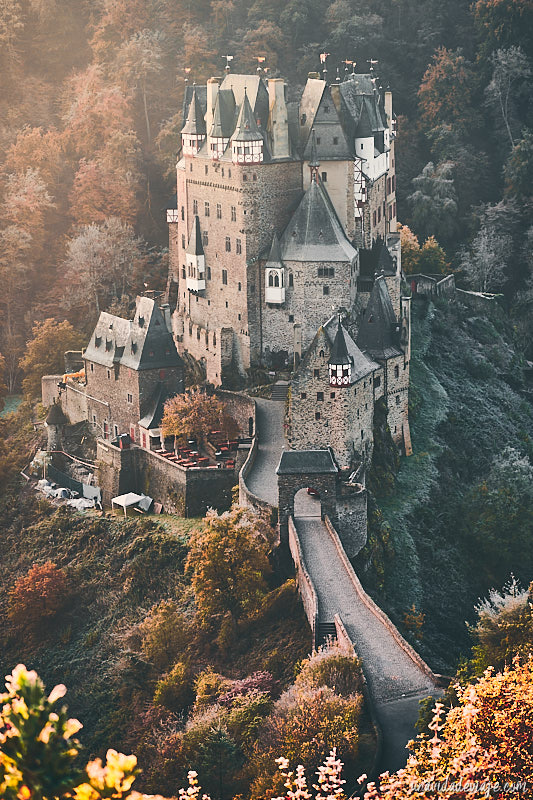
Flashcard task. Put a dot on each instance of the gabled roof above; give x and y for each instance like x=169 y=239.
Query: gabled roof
x=312 y=462
x=195 y=122
x=314 y=233
x=201 y=97
x=363 y=129
x=141 y=343
x=377 y=334
x=246 y=129
x=223 y=115
x=195 y=246
x=376 y=260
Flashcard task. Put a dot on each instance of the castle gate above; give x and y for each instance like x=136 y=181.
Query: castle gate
x=301 y=469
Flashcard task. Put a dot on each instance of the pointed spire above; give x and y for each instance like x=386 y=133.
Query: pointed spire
x=195 y=123
x=339 y=352
x=314 y=163
x=195 y=246
x=246 y=129
x=377 y=331
x=274 y=257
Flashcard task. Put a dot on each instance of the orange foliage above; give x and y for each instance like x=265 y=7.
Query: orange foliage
x=38 y=595
x=42 y=149
x=194 y=414
x=99 y=193
x=446 y=91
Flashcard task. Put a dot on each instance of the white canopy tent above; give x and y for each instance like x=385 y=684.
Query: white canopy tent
x=126 y=501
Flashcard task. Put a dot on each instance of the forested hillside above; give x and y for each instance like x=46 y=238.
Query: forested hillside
x=459 y=518
x=90 y=109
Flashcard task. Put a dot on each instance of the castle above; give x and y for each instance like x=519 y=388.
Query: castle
x=284 y=251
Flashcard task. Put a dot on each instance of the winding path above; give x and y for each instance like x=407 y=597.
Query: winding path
x=395 y=681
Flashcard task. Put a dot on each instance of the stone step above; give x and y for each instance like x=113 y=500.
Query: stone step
x=325 y=631
x=279 y=391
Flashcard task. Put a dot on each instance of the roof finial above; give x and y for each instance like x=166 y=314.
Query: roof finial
x=260 y=60
x=229 y=59
x=314 y=163
x=187 y=71
x=338 y=78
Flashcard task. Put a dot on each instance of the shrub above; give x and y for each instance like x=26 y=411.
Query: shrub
x=209 y=686
x=174 y=690
x=38 y=596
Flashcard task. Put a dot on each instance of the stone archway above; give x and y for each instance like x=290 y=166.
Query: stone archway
x=300 y=469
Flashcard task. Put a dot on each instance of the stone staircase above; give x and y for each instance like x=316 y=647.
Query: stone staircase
x=325 y=632
x=279 y=391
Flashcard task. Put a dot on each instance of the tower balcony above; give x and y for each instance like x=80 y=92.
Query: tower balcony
x=172 y=215
x=197 y=283
x=275 y=295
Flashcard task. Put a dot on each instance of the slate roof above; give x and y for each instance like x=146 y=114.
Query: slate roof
x=223 y=115
x=362 y=364
x=195 y=246
x=377 y=333
x=141 y=343
x=339 y=351
x=313 y=462
x=376 y=260
x=201 y=97
x=314 y=233
x=274 y=257
x=246 y=129
x=195 y=122
x=154 y=408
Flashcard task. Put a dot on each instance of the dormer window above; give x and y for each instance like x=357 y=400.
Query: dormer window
x=108 y=344
x=97 y=341
x=133 y=347
x=141 y=322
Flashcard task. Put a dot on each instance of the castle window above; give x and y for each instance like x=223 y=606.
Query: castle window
x=190 y=328
x=316 y=373
x=195 y=206
x=239 y=286
x=303 y=119
x=325 y=290
x=324 y=177
x=222 y=171
x=358 y=413
x=233 y=214
x=320 y=396
x=92 y=367
x=198 y=334
x=130 y=398
x=335 y=140
x=190 y=167
x=245 y=177
x=318 y=139
x=362 y=435
x=229 y=173
x=374 y=218
x=228 y=244
x=206 y=208
x=291 y=317
x=226 y=303
x=326 y=109
x=183 y=212
x=205 y=238
x=273 y=278
x=362 y=146
x=321 y=354
x=225 y=277
x=214 y=340
x=332 y=395
x=109 y=374
x=239 y=317
x=393 y=180
x=397 y=399
x=219 y=211
x=379 y=214
x=238 y=247
x=208 y=271
x=303 y=396
x=94 y=419
x=206 y=169
x=254 y=177
x=183 y=273
x=317 y=415
x=183 y=241
x=151 y=354
x=355 y=390
x=396 y=371
x=377 y=382
x=291 y=280
x=390 y=212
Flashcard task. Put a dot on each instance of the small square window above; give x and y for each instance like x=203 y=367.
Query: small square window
x=324 y=177
x=317 y=415
x=332 y=395
x=303 y=396
x=291 y=317
x=325 y=290
x=335 y=140
x=316 y=373
x=397 y=399
x=318 y=139
x=320 y=396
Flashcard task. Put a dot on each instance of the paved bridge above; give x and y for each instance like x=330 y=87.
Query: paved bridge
x=397 y=678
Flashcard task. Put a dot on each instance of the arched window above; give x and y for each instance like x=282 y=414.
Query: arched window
x=273 y=278
x=396 y=371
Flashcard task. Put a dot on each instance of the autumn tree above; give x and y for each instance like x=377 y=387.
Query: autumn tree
x=432 y=258
x=506 y=23
x=194 y=414
x=165 y=634
x=138 y=62
x=410 y=249
x=45 y=353
x=446 y=93
x=38 y=596
x=228 y=561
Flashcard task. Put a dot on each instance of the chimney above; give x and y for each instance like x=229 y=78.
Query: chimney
x=278 y=124
x=212 y=91
x=388 y=108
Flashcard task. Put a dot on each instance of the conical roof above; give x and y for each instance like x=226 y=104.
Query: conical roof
x=56 y=415
x=314 y=232
x=274 y=257
x=339 y=351
x=246 y=129
x=223 y=115
x=364 y=124
x=195 y=122
x=377 y=332
x=195 y=246
x=313 y=162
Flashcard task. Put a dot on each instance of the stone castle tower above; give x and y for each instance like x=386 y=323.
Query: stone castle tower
x=276 y=205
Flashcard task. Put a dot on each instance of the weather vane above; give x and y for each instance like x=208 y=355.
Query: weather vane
x=323 y=58
x=229 y=59
x=187 y=71
x=372 y=63
x=260 y=61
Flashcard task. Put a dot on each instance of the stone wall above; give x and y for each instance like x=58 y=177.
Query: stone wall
x=305 y=584
x=397 y=395
x=289 y=485
x=49 y=389
x=189 y=492
x=242 y=408
x=351 y=518
x=480 y=301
